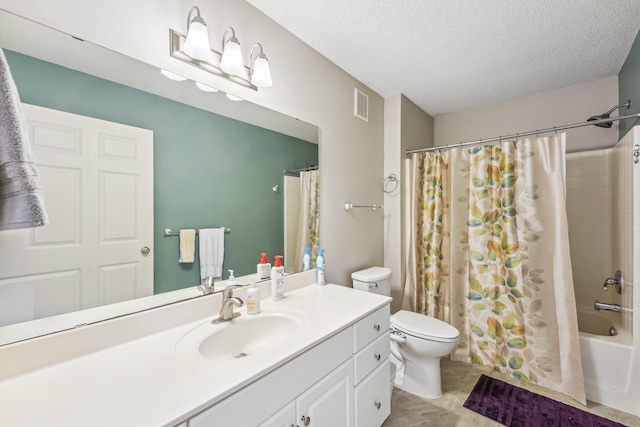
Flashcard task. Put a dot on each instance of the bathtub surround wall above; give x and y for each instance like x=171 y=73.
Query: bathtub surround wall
x=306 y=85
x=590 y=200
x=629 y=86
x=195 y=185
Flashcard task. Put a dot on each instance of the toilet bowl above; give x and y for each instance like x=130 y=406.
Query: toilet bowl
x=417 y=341
x=426 y=340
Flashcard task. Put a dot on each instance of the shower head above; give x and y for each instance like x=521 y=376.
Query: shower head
x=606 y=115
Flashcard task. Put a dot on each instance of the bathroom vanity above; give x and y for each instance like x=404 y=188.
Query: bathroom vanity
x=319 y=357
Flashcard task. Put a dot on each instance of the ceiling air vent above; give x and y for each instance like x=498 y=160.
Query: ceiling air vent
x=360 y=105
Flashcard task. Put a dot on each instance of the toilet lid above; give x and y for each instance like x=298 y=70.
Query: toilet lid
x=422 y=326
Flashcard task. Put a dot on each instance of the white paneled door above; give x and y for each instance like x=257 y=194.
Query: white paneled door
x=97 y=180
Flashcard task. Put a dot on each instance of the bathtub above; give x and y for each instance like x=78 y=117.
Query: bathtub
x=606 y=359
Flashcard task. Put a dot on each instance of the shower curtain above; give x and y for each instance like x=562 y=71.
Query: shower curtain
x=488 y=252
x=309 y=218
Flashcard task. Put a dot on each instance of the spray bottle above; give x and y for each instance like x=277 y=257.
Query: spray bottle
x=306 y=259
x=320 y=268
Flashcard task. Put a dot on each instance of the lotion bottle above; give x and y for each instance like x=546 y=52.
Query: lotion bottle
x=277 y=280
x=253 y=298
x=306 y=259
x=264 y=268
x=320 y=268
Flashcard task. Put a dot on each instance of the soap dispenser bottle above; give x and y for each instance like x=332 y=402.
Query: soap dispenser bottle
x=277 y=280
x=253 y=298
x=264 y=268
x=232 y=279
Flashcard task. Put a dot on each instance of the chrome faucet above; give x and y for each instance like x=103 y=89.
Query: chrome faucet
x=228 y=301
x=617 y=280
x=207 y=287
x=605 y=306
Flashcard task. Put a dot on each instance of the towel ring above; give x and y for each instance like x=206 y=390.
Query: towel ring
x=391 y=178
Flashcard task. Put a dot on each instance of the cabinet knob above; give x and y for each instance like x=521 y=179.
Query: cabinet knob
x=306 y=420
x=376 y=327
x=377 y=405
x=376 y=356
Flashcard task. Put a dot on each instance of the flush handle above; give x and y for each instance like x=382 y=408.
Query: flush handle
x=306 y=420
x=376 y=327
x=373 y=285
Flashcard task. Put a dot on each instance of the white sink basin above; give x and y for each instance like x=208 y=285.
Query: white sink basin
x=244 y=336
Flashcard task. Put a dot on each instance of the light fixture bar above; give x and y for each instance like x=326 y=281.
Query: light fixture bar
x=176 y=40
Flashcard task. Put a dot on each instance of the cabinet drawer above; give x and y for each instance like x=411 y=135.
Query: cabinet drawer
x=372 y=356
x=371 y=327
x=373 y=398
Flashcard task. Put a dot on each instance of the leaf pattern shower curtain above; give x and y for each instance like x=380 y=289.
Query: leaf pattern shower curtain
x=488 y=252
x=309 y=218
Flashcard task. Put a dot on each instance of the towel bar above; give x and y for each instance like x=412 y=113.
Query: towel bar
x=170 y=232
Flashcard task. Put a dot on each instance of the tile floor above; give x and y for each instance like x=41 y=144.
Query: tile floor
x=458 y=380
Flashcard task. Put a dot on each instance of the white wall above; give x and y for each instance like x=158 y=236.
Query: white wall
x=406 y=127
x=306 y=86
x=573 y=104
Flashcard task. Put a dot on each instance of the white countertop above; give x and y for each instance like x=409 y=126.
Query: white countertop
x=146 y=382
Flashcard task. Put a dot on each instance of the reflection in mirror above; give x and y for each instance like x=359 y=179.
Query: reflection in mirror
x=208 y=171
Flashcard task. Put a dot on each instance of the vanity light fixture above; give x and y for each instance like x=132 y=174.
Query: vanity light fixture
x=197 y=42
x=172 y=76
x=194 y=49
x=259 y=72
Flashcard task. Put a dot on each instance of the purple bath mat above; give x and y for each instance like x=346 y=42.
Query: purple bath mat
x=516 y=407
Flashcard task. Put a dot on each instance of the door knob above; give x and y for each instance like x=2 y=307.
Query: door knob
x=145 y=250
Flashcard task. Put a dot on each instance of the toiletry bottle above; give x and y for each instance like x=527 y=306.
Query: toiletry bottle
x=320 y=267
x=277 y=280
x=232 y=279
x=264 y=268
x=253 y=298
x=306 y=259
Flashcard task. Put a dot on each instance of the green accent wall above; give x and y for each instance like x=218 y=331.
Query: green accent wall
x=209 y=170
x=629 y=87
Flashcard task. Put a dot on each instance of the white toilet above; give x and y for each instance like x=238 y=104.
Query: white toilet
x=417 y=341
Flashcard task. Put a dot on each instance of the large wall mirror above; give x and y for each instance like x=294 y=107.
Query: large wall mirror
x=216 y=163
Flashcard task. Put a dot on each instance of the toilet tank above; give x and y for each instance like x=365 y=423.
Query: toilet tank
x=374 y=279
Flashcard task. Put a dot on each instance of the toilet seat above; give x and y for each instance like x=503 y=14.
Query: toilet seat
x=425 y=327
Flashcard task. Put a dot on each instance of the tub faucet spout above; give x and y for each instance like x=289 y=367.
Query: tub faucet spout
x=605 y=306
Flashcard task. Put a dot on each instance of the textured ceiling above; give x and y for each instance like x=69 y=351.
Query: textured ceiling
x=452 y=55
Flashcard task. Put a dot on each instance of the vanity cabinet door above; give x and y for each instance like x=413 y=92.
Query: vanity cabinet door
x=373 y=398
x=286 y=417
x=328 y=403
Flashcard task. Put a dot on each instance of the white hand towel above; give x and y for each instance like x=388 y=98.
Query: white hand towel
x=187 y=245
x=211 y=252
x=21 y=201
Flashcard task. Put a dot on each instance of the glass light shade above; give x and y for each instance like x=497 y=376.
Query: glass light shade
x=234 y=98
x=172 y=76
x=206 y=88
x=261 y=76
x=231 y=62
x=197 y=43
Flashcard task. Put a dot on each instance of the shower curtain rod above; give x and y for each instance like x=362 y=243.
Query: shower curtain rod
x=517 y=135
x=308 y=168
